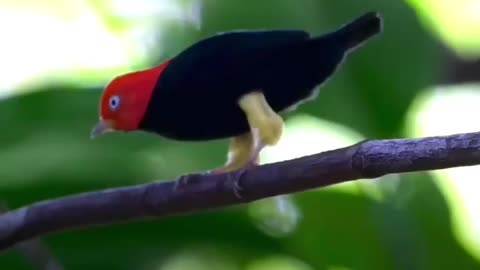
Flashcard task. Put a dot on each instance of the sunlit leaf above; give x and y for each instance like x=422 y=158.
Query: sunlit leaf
x=444 y=111
x=278 y=263
x=456 y=22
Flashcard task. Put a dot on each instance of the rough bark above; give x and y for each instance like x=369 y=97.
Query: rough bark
x=196 y=192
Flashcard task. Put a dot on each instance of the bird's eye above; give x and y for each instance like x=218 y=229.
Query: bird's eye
x=114 y=102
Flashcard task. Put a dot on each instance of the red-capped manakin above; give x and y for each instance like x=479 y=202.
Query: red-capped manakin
x=231 y=85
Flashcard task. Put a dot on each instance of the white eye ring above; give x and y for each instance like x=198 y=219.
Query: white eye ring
x=114 y=102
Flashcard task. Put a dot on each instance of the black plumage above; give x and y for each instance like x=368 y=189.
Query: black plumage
x=195 y=97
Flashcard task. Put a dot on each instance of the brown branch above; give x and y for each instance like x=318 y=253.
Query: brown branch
x=35 y=252
x=195 y=192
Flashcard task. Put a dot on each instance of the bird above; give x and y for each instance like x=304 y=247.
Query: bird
x=232 y=85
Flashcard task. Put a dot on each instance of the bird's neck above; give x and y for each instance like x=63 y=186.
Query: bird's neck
x=142 y=84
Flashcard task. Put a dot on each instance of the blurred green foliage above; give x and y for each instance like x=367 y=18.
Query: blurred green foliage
x=46 y=152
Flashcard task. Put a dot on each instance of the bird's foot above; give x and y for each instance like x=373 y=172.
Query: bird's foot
x=182 y=181
x=232 y=182
x=241 y=154
x=236 y=164
x=234 y=179
x=228 y=168
x=223 y=169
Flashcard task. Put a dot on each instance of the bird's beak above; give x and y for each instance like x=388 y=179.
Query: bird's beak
x=102 y=127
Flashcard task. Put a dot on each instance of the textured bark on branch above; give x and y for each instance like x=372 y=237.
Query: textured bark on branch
x=196 y=192
x=35 y=252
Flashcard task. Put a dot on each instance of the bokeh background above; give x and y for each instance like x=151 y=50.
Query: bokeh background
x=419 y=78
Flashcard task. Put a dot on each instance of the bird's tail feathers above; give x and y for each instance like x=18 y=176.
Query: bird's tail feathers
x=358 y=31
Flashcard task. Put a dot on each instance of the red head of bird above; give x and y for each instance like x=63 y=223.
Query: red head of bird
x=125 y=99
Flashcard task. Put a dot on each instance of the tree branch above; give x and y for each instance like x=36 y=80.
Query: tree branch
x=195 y=192
x=35 y=251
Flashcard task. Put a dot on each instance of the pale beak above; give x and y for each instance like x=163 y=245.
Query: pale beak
x=102 y=127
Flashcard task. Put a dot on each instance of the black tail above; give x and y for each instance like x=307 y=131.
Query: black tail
x=358 y=31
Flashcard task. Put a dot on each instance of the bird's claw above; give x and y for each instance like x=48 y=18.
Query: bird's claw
x=233 y=182
x=217 y=171
x=252 y=163
x=233 y=177
x=182 y=181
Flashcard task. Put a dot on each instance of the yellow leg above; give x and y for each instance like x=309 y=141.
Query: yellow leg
x=266 y=125
x=266 y=128
x=240 y=152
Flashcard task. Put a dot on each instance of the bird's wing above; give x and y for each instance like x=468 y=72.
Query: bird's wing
x=223 y=58
x=246 y=41
x=203 y=84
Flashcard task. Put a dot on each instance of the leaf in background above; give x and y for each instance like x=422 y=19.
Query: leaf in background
x=457 y=23
x=446 y=110
x=373 y=89
x=82 y=42
x=48 y=40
